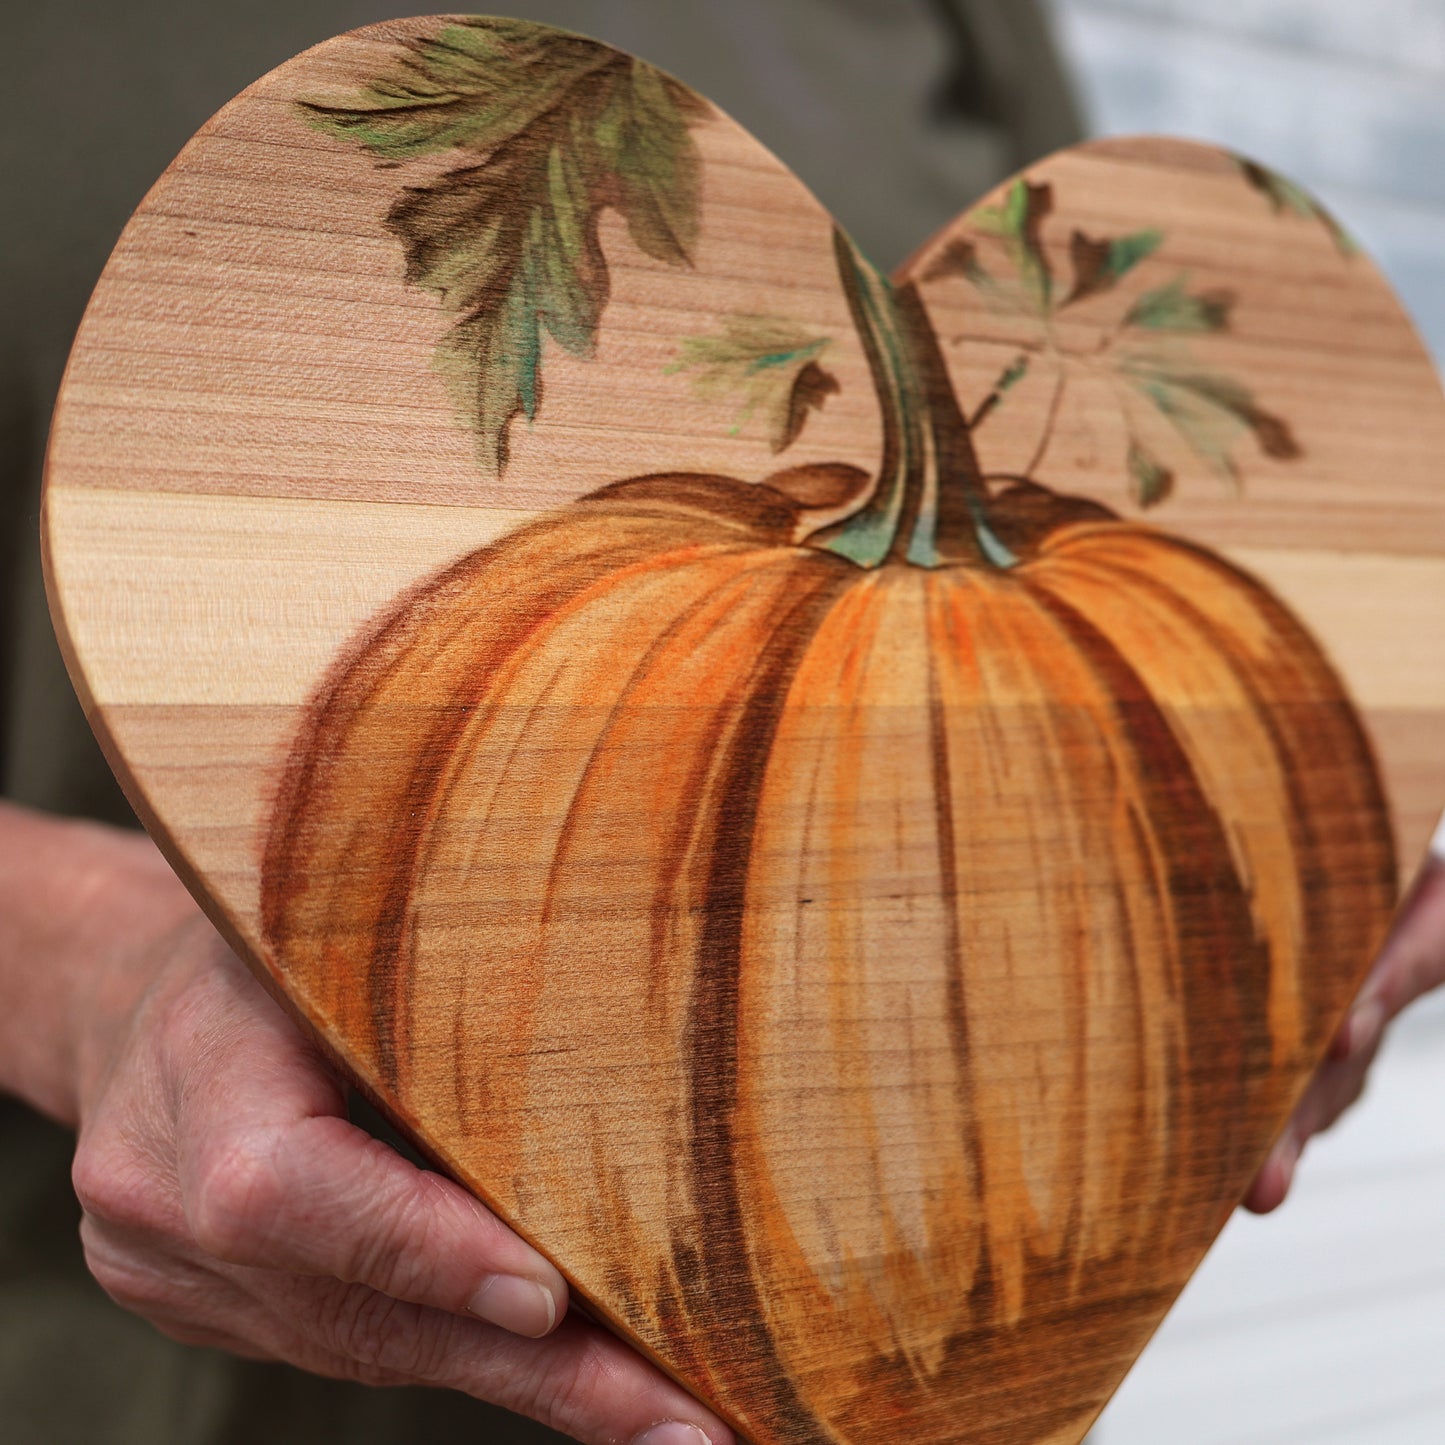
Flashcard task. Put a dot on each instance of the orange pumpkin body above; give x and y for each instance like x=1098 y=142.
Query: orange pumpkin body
x=859 y=962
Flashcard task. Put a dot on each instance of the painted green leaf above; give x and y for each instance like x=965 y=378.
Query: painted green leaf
x=643 y=140
x=1017 y=221
x=1004 y=297
x=552 y=128
x=1209 y=425
x=1174 y=308
x=1099 y=265
x=1012 y=374
x=769 y=365
x=511 y=248
x=1285 y=195
x=1152 y=480
x=1007 y=379
x=476 y=84
x=1209 y=411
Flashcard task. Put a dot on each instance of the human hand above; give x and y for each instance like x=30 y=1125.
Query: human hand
x=228 y=1200
x=1411 y=962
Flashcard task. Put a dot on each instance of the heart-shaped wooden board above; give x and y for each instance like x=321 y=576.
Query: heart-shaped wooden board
x=845 y=811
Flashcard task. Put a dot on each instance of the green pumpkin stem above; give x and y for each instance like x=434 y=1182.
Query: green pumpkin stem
x=926 y=441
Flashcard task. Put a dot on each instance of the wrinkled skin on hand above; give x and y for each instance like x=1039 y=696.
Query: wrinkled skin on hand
x=228 y=1200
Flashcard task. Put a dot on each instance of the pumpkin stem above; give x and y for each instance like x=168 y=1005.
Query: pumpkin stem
x=925 y=434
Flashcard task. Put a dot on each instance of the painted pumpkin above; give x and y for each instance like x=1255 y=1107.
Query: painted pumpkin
x=866 y=935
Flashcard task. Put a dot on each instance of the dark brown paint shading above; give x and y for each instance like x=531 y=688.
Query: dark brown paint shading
x=1032 y=1349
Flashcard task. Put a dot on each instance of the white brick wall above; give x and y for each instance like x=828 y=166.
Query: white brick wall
x=1323 y=1324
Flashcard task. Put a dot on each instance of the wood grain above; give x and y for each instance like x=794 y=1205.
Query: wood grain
x=846 y=811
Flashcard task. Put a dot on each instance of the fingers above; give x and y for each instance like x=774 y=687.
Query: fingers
x=275 y=1181
x=1269 y=1187
x=317 y=1196
x=1336 y=1086
x=1411 y=962
x=271 y=1177
x=228 y=1201
x=587 y=1384
x=581 y=1381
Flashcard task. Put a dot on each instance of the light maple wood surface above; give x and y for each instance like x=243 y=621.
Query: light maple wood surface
x=521 y=797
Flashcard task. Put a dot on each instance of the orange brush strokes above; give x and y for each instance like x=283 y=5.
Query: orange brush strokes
x=863 y=980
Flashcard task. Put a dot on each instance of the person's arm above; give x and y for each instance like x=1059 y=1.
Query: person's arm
x=1411 y=963
x=226 y=1197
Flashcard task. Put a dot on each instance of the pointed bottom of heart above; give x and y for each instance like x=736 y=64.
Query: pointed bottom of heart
x=1042 y=1383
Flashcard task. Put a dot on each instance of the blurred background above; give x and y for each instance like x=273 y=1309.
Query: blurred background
x=1321 y=1325
x=1347 y=98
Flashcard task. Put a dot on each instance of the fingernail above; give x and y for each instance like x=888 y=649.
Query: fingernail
x=520 y=1305
x=671 y=1432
